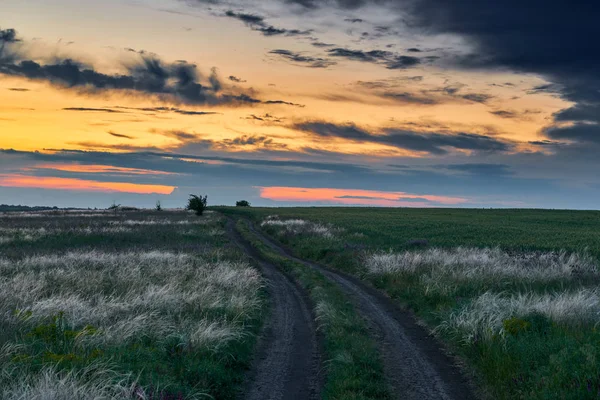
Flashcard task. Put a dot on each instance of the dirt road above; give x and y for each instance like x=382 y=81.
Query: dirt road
x=415 y=364
x=287 y=365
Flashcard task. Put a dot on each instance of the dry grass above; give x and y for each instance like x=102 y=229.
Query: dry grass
x=301 y=227
x=485 y=317
x=441 y=269
x=443 y=272
x=125 y=295
x=170 y=293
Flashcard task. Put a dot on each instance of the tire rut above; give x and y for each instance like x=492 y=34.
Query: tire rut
x=416 y=366
x=287 y=364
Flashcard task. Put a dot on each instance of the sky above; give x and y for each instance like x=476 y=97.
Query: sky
x=395 y=103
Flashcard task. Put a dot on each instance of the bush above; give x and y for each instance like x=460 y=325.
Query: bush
x=242 y=203
x=197 y=203
x=158 y=206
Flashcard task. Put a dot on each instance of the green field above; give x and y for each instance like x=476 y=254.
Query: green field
x=102 y=304
x=513 y=293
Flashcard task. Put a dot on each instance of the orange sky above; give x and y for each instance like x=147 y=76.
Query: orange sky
x=23 y=181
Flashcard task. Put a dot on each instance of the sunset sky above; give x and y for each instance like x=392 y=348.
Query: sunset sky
x=400 y=103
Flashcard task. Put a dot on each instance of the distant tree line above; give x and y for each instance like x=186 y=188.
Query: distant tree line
x=7 y=207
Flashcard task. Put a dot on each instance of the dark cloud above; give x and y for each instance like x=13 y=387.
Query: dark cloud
x=265 y=118
x=505 y=113
x=345 y=4
x=312 y=62
x=236 y=79
x=545 y=143
x=8 y=36
x=19 y=89
x=477 y=97
x=410 y=98
x=354 y=20
x=257 y=23
x=120 y=135
x=179 y=81
x=514 y=114
x=250 y=140
x=555 y=39
x=481 y=168
x=282 y=102
x=179 y=135
x=84 y=109
x=433 y=143
x=580 y=112
x=581 y=132
x=322 y=44
x=387 y=58
x=169 y=109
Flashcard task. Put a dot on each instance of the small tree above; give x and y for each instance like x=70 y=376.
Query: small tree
x=158 y=206
x=114 y=207
x=242 y=203
x=197 y=203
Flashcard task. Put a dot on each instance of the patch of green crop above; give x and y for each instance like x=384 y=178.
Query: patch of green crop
x=534 y=358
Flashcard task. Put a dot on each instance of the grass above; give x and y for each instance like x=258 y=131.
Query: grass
x=353 y=366
x=124 y=305
x=514 y=293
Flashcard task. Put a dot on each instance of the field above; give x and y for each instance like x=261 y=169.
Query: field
x=145 y=305
x=514 y=294
x=307 y=303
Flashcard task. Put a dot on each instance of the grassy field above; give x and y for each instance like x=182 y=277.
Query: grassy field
x=124 y=305
x=514 y=293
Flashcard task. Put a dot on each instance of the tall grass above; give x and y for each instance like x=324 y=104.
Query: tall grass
x=108 y=321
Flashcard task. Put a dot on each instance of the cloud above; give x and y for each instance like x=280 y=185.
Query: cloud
x=120 y=135
x=513 y=114
x=8 y=36
x=257 y=23
x=580 y=112
x=322 y=44
x=282 y=102
x=250 y=140
x=344 y=4
x=327 y=195
x=382 y=57
x=173 y=82
x=297 y=58
x=477 y=97
x=581 y=132
x=169 y=110
x=433 y=143
x=481 y=169
x=19 y=89
x=265 y=118
x=515 y=34
x=236 y=79
x=85 y=109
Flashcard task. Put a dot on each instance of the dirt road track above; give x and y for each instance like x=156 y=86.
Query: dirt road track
x=415 y=364
x=287 y=365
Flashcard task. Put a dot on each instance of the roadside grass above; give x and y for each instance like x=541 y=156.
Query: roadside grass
x=353 y=366
x=164 y=309
x=514 y=293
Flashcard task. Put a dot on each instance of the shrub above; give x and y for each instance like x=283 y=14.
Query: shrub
x=242 y=203
x=158 y=206
x=197 y=203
